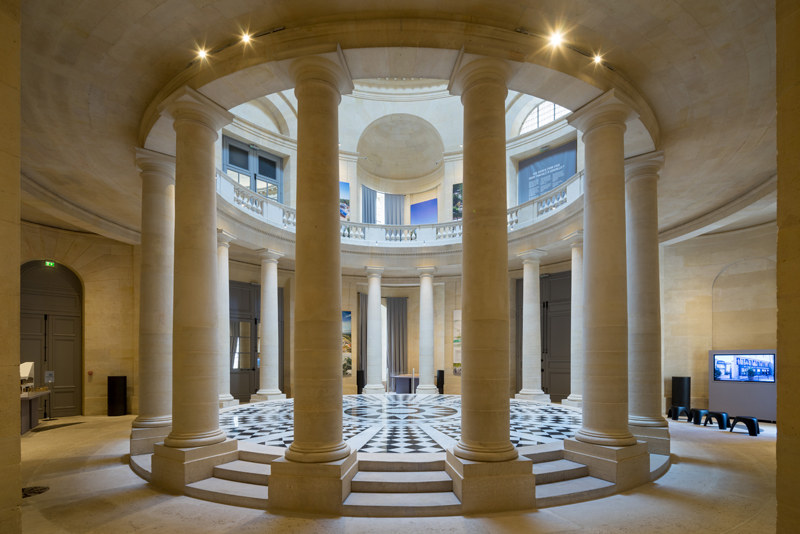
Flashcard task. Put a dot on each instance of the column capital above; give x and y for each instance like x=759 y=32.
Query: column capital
x=532 y=255
x=373 y=271
x=224 y=238
x=188 y=104
x=575 y=239
x=484 y=70
x=645 y=165
x=320 y=69
x=426 y=271
x=268 y=255
x=150 y=162
x=612 y=107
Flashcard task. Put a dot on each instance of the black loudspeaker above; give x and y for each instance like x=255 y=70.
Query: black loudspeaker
x=360 y=381
x=682 y=391
x=440 y=381
x=117 y=395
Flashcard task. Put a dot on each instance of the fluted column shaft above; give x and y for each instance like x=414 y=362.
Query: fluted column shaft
x=195 y=347
x=156 y=286
x=485 y=409
x=576 y=328
x=644 y=295
x=605 y=312
x=318 y=301
x=269 y=372
x=531 y=328
x=224 y=320
x=374 y=333
x=427 y=385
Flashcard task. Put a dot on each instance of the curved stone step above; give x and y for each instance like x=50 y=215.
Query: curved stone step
x=229 y=492
x=248 y=472
x=572 y=491
x=558 y=471
x=401 y=504
x=385 y=462
x=402 y=482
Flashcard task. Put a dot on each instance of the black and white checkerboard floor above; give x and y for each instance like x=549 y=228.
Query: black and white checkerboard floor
x=399 y=423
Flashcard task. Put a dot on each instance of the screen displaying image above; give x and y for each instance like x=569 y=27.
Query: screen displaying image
x=744 y=367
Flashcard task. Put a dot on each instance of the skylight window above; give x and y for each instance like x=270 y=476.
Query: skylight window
x=543 y=114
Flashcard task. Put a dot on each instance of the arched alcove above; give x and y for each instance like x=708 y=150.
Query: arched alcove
x=744 y=306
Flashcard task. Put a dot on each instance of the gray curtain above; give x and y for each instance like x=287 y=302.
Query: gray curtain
x=362 y=333
x=396 y=337
x=369 y=200
x=395 y=205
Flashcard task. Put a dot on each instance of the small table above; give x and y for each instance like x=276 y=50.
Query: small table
x=29 y=410
x=402 y=383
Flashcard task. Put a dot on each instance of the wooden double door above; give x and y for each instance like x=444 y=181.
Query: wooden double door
x=555 y=291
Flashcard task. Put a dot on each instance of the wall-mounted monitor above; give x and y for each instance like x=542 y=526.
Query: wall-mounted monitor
x=756 y=367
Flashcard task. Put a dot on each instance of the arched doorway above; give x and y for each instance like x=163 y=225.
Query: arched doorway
x=50 y=331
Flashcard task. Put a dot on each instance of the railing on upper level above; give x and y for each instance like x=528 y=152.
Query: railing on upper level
x=282 y=216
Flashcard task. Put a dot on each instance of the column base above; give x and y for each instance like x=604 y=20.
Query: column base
x=316 y=488
x=427 y=390
x=627 y=467
x=258 y=397
x=373 y=390
x=492 y=486
x=174 y=468
x=227 y=403
x=657 y=438
x=532 y=396
x=144 y=439
x=573 y=400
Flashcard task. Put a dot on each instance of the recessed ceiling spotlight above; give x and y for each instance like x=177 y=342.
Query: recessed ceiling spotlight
x=245 y=38
x=598 y=59
x=556 y=39
x=201 y=54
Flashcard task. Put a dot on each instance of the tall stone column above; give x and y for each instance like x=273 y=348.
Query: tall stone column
x=644 y=302
x=427 y=386
x=269 y=372
x=531 y=328
x=605 y=306
x=485 y=403
x=224 y=319
x=576 y=325
x=374 y=333
x=313 y=474
x=155 y=300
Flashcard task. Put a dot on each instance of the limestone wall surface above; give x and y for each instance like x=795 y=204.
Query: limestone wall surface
x=718 y=292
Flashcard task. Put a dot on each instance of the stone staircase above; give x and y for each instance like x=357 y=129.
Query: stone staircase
x=243 y=482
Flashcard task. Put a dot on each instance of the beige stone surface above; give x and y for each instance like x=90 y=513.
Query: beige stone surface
x=224 y=320
x=10 y=43
x=788 y=283
x=269 y=370
x=719 y=483
x=531 y=329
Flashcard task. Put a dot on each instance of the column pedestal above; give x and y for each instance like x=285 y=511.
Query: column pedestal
x=144 y=439
x=492 y=486
x=626 y=466
x=174 y=468
x=657 y=438
x=318 y=488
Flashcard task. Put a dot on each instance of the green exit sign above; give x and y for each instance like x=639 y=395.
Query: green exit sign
x=50 y=263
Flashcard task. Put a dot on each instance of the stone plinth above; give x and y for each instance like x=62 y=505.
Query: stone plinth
x=143 y=440
x=174 y=468
x=318 y=488
x=657 y=438
x=626 y=466
x=258 y=398
x=492 y=486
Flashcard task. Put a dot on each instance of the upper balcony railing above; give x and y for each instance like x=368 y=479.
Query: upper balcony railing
x=276 y=214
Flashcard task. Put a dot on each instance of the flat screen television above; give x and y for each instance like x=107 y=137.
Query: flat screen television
x=744 y=367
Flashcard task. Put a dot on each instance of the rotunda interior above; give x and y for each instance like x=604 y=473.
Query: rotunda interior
x=493 y=267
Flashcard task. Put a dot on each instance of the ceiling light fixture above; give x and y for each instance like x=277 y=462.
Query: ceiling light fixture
x=598 y=59
x=201 y=54
x=555 y=39
x=245 y=38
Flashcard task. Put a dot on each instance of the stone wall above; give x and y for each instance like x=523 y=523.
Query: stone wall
x=717 y=292
x=106 y=269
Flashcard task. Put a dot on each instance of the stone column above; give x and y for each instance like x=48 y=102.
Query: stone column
x=313 y=474
x=427 y=385
x=576 y=325
x=224 y=319
x=374 y=335
x=531 y=329
x=155 y=300
x=644 y=302
x=195 y=346
x=269 y=372
x=485 y=403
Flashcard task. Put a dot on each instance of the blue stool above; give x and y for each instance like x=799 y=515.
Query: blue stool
x=676 y=411
x=697 y=415
x=750 y=422
x=720 y=417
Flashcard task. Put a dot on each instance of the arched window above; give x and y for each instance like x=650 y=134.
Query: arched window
x=543 y=114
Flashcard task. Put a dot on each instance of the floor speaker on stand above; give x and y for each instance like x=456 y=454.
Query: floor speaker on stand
x=682 y=391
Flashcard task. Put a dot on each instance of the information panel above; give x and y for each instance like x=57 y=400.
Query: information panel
x=544 y=172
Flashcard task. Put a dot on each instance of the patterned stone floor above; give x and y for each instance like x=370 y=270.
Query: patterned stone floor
x=399 y=423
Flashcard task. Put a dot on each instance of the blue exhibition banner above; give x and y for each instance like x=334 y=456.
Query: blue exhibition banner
x=544 y=172
x=425 y=212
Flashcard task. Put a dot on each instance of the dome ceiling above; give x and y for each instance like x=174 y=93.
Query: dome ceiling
x=400 y=147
